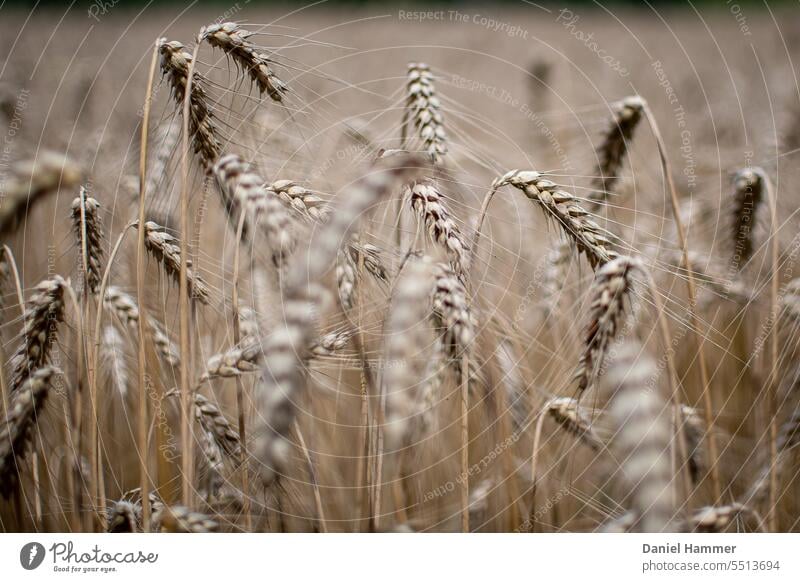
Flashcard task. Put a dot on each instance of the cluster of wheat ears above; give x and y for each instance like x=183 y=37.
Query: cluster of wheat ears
x=357 y=368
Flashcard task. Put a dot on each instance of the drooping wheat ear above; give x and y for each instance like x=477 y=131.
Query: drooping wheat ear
x=30 y=182
x=748 y=197
x=44 y=310
x=514 y=384
x=217 y=426
x=429 y=206
x=642 y=441
x=122 y=305
x=569 y=414
x=166 y=249
x=112 y=353
x=125 y=308
x=287 y=349
x=303 y=201
x=627 y=115
x=611 y=297
x=423 y=111
x=244 y=187
x=15 y=431
x=233 y=40
x=165 y=347
x=175 y=66
x=179 y=519
x=694 y=430
x=561 y=206
x=452 y=313
x=406 y=343
x=718 y=519
x=557 y=263
x=94 y=237
x=788 y=439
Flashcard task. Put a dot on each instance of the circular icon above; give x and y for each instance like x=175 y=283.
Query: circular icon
x=31 y=555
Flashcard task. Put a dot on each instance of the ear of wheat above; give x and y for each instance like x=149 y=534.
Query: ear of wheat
x=404 y=365
x=642 y=442
x=452 y=313
x=179 y=519
x=304 y=202
x=175 y=63
x=124 y=517
x=30 y=182
x=15 y=432
x=287 y=349
x=214 y=423
x=166 y=249
x=423 y=111
x=44 y=310
x=561 y=206
x=788 y=438
x=717 y=519
x=428 y=203
x=262 y=207
x=93 y=259
x=569 y=414
x=611 y=295
x=748 y=197
x=612 y=151
x=233 y=40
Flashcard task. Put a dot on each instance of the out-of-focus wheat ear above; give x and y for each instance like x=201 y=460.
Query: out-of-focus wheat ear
x=642 y=441
x=748 y=197
x=788 y=439
x=15 y=432
x=479 y=502
x=124 y=516
x=576 y=223
x=30 y=182
x=288 y=348
x=405 y=363
x=86 y=218
x=263 y=209
x=233 y=362
x=514 y=384
x=112 y=353
x=175 y=62
x=179 y=519
x=165 y=347
x=430 y=208
x=423 y=112
x=43 y=313
x=429 y=392
x=5 y=274
x=620 y=524
x=612 y=292
x=694 y=430
x=233 y=40
x=719 y=519
x=122 y=305
x=304 y=202
x=346 y=279
x=165 y=248
x=330 y=343
x=627 y=114
x=569 y=414
x=554 y=277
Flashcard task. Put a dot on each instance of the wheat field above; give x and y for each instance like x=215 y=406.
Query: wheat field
x=528 y=269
